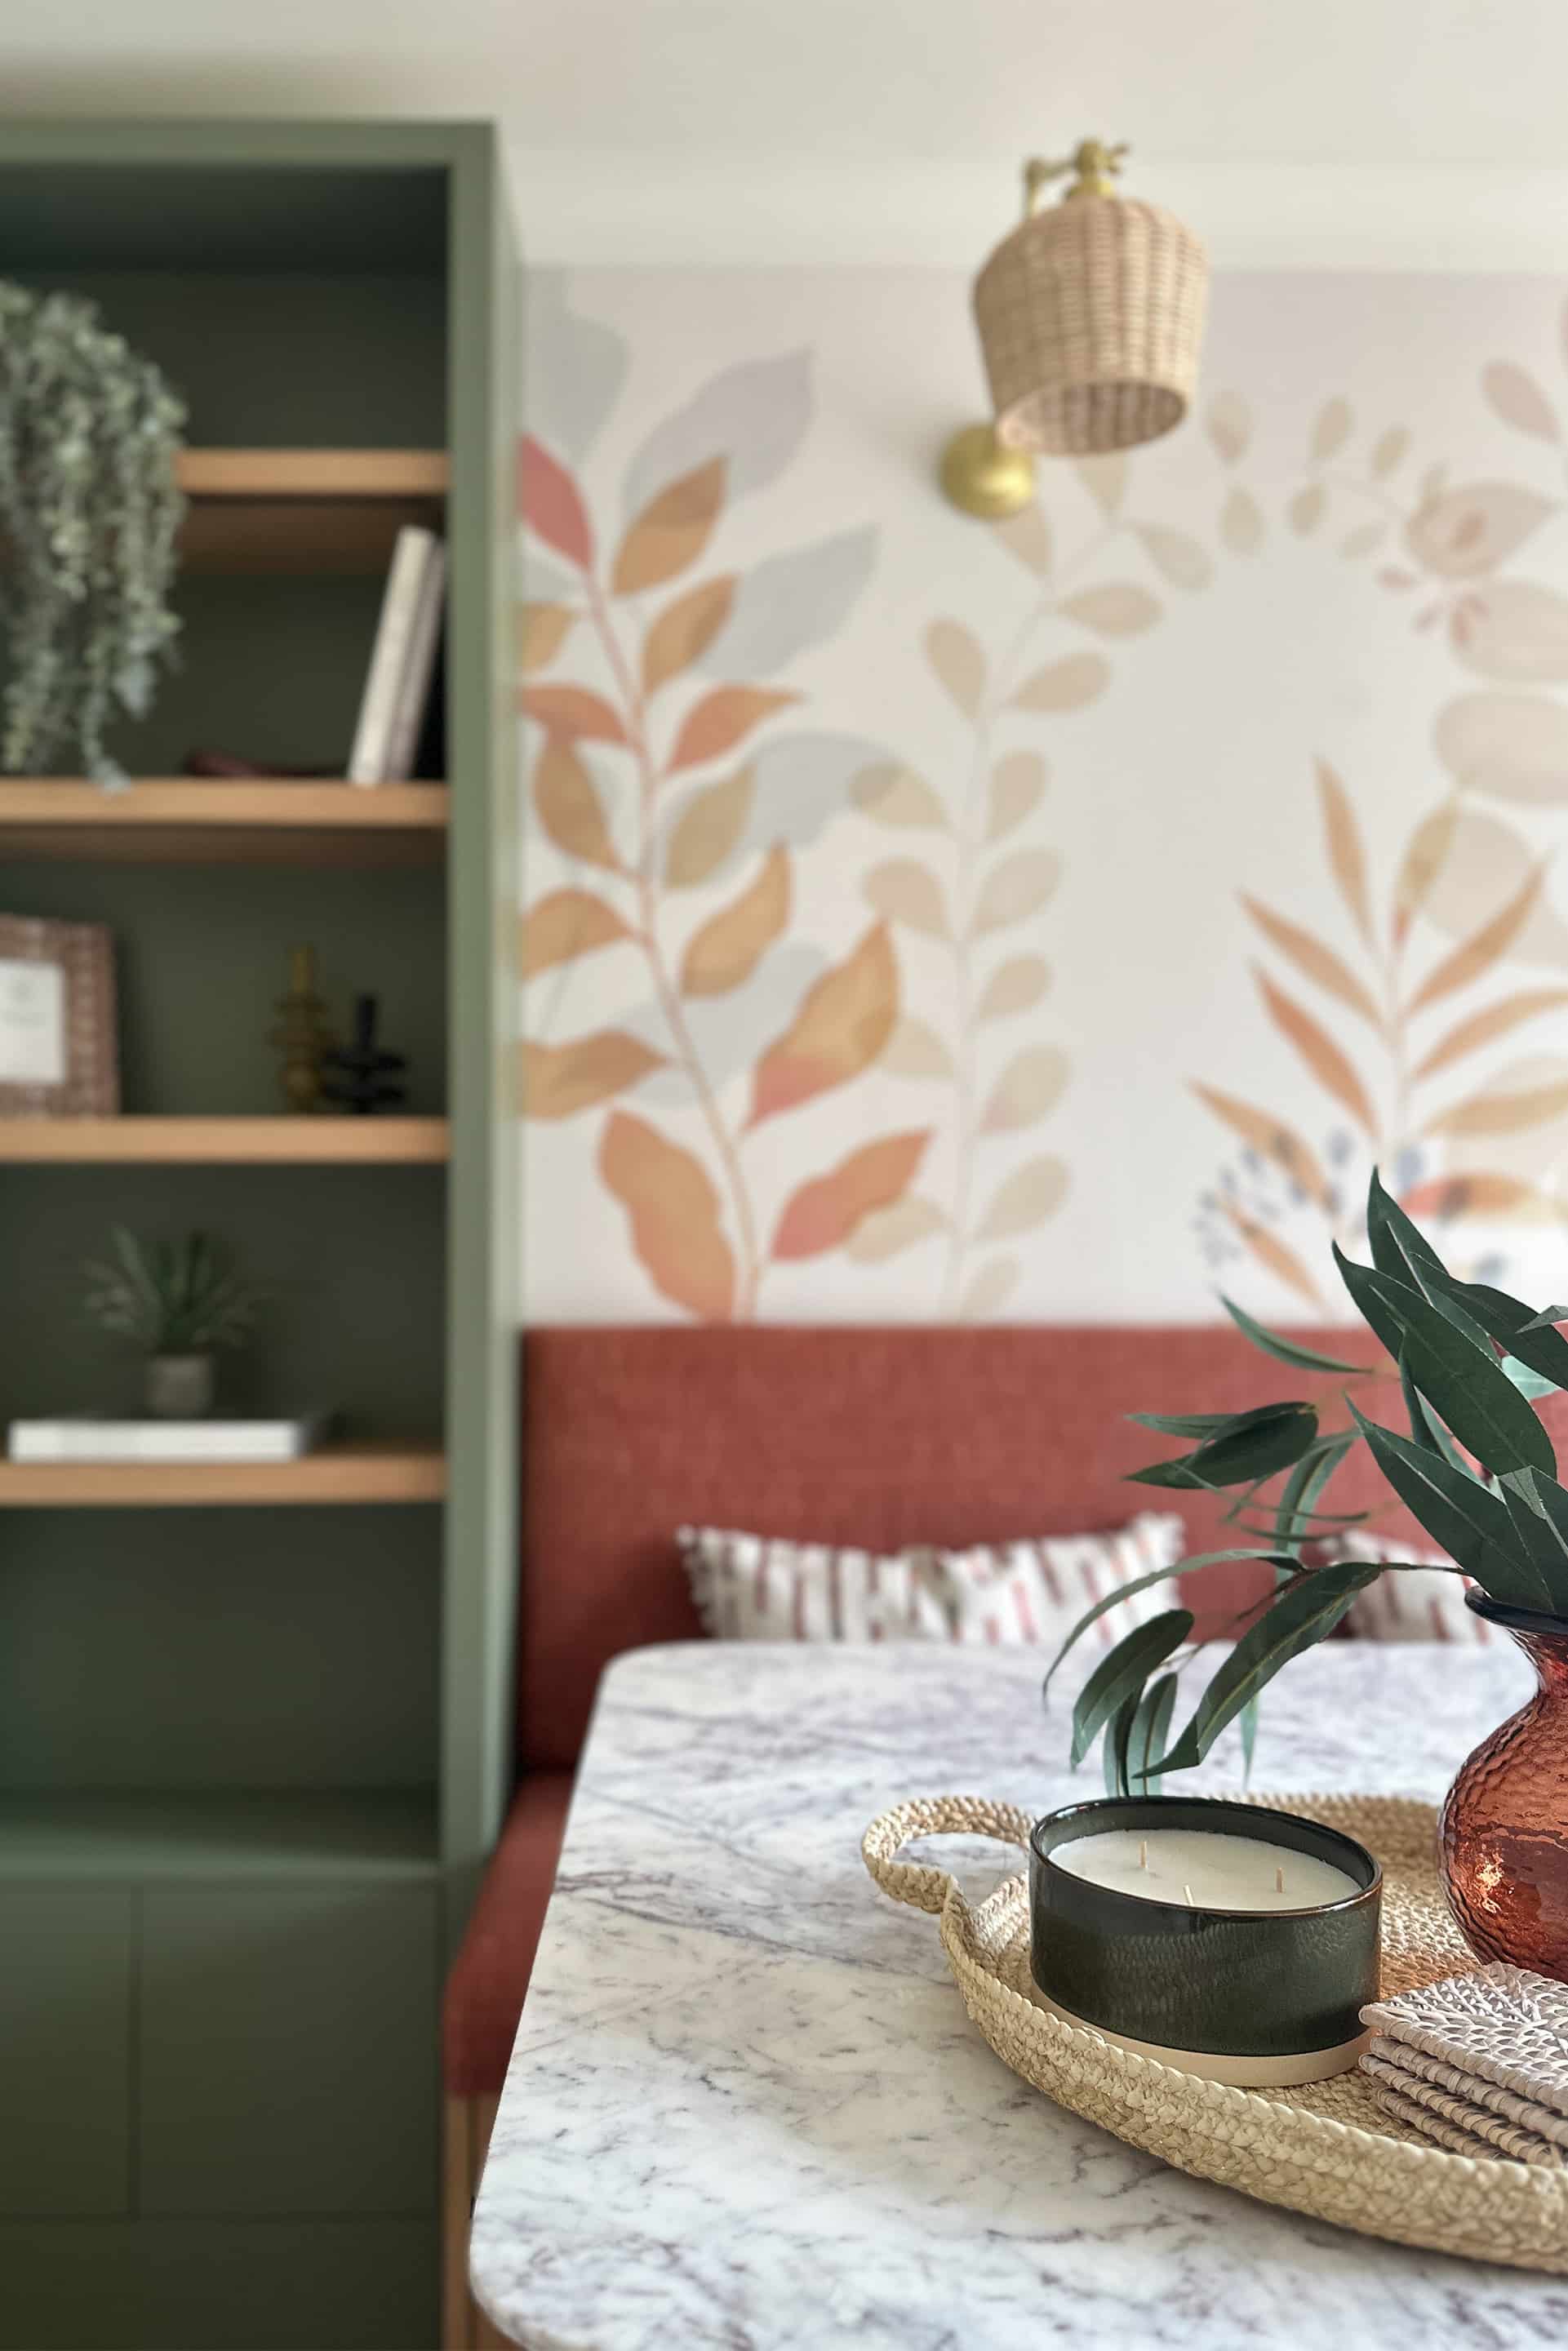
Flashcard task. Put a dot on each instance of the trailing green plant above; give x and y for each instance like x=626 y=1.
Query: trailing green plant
x=178 y=1297
x=90 y=433
x=1477 y=1470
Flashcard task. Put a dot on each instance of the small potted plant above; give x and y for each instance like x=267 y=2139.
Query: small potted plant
x=178 y=1302
x=1478 y=1471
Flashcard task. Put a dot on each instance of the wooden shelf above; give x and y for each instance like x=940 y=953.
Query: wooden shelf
x=247 y=1142
x=336 y=1474
x=179 y=1833
x=182 y=819
x=305 y=510
x=313 y=472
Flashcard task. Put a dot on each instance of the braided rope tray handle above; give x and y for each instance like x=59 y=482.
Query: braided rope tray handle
x=915 y=1881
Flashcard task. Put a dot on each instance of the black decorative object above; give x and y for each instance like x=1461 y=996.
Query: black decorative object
x=362 y=1077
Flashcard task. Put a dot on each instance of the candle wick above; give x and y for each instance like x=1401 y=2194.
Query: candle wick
x=1144 y=1853
x=1278 y=1880
x=1187 y=1891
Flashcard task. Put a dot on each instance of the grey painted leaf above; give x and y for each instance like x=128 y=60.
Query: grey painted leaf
x=574 y=369
x=544 y=582
x=886 y=1232
x=1029 y=1089
x=802 y=782
x=990 y=1289
x=1016 y=888
x=731 y=1032
x=1030 y=1196
x=909 y=894
x=1016 y=986
x=916 y=1050
x=1018 y=783
x=755 y=416
x=789 y=602
x=892 y=794
x=956 y=655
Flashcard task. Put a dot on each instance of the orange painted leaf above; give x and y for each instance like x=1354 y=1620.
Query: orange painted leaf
x=551 y=504
x=844 y=1021
x=675 y=1214
x=683 y=631
x=565 y=924
x=723 y=719
x=1480 y=1194
x=560 y=1080
x=672 y=530
x=574 y=714
x=1317 y=1049
x=824 y=1215
x=1427 y=853
x=1342 y=838
x=1477 y=953
x=1319 y=962
x=1271 y=1251
x=1500 y=1114
x=1270 y=1135
x=542 y=629
x=1484 y=1027
x=569 y=807
x=728 y=948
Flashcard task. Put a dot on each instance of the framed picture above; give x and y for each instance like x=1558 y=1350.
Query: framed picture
x=58 y=1045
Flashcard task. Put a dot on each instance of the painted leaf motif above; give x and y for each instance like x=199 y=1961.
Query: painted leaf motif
x=1474 y=528
x=1119 y=608
x=1186 y=562
x=1307 y=508
x=1064 y=685
x=671 y=532
x=990 y=1289
x=1341 y=841
x=1028 y=1197
x=1028 y=1090
x=1486 y=1027
x=1309 y=956
x=729 y=946
x=560 y=1080
x=1389 y=452
x=843 y=1024
x=565 y=924
x=824 y=1215
x=1365 y=540
x=707 y=830
x=1512 y=747
x=1448 y=1198
x=1229 y=426
x=1017 y=786
x=1514 y=630
x=1241 y=522
x=1274 y=1254
x=908 y=894
x=570 y=713
x=958 y=663
x=887 y=1232
x=895 y=795
x=1027 y=534
x=1331 y=429
x=1481 y=949
x=542 y=629
x=1014 y=987
x=1502 y=1113
x=721 y=719
x=1104 y=478
x=1016 y=889
x=753 y=416
x=569 y=806
x=551 y=504
x=1429 y=849
x=1514 y=395
x=1273 y=1138
x=916 y=1050
x=684 y=631
x=1317 y=1049
x=674 y=1215
x=789 y=602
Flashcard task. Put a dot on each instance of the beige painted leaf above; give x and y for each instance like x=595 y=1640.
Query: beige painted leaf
x=1118 y=609
x=674 y=1213
x=1027 y=534
x=916 y=1050
x=1031 y=1195
x=683 y=631
x=1364 y=539
x=1017 y=786
x=887 y=1232
x=1185 y=561
x=1343 y=845
x=1016 y=986
x=823 y=1214
x=1241 y=522
x=1319 y=962
x=730 y=945
x=909 y=894
x=1063 y=685
x=1104 y=478
x=1510 y=746
x=1389 y=451
x=560 y=1080
x=990 y=1289
x=1273 y=1252
x=1331 y=429
x=1485 y=1028
x=707 y=830
x=843 y=1027
x=892 y=794
x=1484 y=947
x=1016 y=888
x=1230 y=425
x=1028 y=1090
x=672 y=530
x=1273 y=1138
x=1425 y=855
x=1331 y=1068
x=569 y=711
x=1515 y=632
x=721 y=719
x=958 y=662
x=1474 y=527
x=542 y=629
x=565 y=924
x=1500 y=1114
x=569 y=806
x=1307 y=508
x=1488 y=861
x=1513 y=395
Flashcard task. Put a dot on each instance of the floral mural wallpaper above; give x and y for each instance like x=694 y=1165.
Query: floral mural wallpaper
x=1053 y=919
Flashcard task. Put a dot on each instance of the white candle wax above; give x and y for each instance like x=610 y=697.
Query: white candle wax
x=1208 y=1870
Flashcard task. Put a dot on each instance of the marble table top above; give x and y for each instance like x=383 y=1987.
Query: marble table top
x=747 y=2112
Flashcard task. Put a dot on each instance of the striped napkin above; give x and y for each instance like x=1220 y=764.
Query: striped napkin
x=1478 y=2063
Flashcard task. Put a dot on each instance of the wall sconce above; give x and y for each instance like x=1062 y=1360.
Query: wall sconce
x=1091 y=316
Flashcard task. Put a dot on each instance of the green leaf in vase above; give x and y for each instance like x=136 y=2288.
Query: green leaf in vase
x=1241 y=1457
x=1510 y=1321
x=1300 y=1617
x=1465 y=1517
x=1151 y=1728
x=1209 y=1425
x=1538 y=1508
x=1285 y=1351
x=1114 y=1599
x=1294 y=1515
x=1123 y=1671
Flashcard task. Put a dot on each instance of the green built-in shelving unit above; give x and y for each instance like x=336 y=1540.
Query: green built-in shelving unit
x=252 y=1721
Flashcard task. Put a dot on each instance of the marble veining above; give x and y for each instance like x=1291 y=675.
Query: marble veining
x=747 y=2112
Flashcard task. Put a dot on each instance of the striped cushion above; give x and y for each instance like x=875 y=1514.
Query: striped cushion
x=750 y=1588
x=1426 y=1604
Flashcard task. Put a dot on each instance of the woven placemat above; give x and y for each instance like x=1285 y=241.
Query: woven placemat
x=1326 y=2148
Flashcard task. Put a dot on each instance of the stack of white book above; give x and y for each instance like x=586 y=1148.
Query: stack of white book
x=80 y=1438
x=397 y=684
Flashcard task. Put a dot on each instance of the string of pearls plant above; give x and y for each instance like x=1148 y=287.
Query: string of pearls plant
x=90 y=434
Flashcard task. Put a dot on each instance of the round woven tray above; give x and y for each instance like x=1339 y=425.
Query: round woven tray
x=1325 y=2148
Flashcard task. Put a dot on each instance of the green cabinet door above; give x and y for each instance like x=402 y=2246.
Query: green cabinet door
x=66 y=1975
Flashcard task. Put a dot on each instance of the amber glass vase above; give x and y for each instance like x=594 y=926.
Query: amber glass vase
x=1503 y=1835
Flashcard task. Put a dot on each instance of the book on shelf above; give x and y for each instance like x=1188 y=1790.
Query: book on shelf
x=402 y=660
x=81 y=1437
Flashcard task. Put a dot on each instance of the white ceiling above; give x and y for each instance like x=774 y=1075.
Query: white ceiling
x=1370 y=132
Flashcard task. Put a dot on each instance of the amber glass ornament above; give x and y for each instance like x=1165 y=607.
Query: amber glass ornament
x=1503 y=1835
